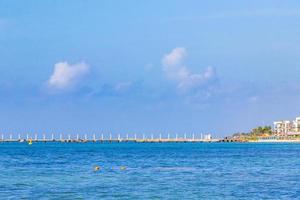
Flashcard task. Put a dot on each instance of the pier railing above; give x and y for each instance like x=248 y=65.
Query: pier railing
x=105 y=138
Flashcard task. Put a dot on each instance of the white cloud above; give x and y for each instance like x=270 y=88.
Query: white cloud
x=173 y=66
x=66 y=75
x=175 y=57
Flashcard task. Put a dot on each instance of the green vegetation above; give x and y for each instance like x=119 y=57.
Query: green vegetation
x=261 y=131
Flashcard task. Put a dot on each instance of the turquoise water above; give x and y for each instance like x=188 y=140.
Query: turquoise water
x=153 y=171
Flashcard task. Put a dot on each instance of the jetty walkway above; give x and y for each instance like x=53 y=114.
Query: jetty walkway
x=109 y=139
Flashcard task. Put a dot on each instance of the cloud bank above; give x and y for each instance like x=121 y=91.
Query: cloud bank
x=66 y=75
x=175 y=69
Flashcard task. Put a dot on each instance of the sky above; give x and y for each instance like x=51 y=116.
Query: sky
x=151 y=67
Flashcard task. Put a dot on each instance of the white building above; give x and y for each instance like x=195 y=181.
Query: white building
x=286 y=126
x=297 y=124
x=283 y=126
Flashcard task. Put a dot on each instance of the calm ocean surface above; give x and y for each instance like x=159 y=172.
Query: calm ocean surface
x=154 y=171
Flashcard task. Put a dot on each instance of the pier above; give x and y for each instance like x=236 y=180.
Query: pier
x=105 y=138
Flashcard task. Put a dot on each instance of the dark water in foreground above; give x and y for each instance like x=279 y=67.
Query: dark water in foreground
x=154 y=171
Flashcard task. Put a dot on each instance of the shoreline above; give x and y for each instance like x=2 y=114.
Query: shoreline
x=276 y=141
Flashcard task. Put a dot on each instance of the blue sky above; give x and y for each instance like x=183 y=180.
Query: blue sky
x=148 y=66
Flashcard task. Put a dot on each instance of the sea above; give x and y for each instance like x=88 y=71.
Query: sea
x=149 y=171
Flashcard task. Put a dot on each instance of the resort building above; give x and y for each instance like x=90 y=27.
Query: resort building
x=297 y=124
x=285 y=126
